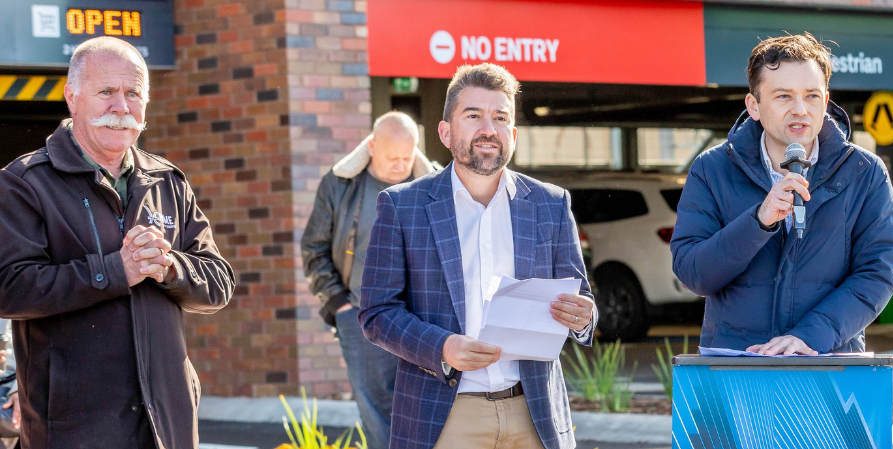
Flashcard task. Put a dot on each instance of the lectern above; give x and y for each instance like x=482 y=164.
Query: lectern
x=790 y=402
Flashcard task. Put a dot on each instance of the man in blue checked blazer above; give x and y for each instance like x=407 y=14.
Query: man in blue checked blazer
x=436 y=249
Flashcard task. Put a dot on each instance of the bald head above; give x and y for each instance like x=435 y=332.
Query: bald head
x=395 y=136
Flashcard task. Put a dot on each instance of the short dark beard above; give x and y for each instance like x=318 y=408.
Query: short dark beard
x=477 y=164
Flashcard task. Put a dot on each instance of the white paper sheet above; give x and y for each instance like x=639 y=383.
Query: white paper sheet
x=724 y=352
x=517 y=318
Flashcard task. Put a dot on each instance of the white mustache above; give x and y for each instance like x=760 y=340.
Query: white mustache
x=118 y=121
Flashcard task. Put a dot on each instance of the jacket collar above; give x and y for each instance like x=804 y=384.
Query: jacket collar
x=834 y=136
x=65 y=156
x=357 y=160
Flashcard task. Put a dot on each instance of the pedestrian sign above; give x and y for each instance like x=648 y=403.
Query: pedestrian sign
x=878 y=117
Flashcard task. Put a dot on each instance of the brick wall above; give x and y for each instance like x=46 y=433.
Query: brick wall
x=266 y=95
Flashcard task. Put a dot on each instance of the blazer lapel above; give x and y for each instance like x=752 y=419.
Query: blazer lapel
x=523 y=228
x=442 y=218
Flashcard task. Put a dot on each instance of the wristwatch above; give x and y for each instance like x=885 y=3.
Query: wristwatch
x=448 y=370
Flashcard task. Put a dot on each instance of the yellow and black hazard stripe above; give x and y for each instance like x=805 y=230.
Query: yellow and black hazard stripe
x=31 y=88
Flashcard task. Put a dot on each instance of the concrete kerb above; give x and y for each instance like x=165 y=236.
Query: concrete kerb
x=605 y=427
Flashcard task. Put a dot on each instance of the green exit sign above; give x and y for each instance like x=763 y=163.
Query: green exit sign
x=405 y=85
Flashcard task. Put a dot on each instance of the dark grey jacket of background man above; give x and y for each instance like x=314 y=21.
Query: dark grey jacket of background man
x=327 y=236
x=95 y=357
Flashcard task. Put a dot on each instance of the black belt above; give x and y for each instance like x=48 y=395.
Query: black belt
x=515 y=390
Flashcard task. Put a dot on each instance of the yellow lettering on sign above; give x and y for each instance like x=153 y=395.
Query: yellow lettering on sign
x=111 y=22
x=877 y=117
x=112 y=25
x=92 y=17
x=131 y=23
x=74 y=21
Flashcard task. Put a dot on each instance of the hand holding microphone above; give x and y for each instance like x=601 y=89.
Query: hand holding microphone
x=789 y=193
x=795 y=162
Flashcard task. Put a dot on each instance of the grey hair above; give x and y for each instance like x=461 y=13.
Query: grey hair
x=105 y=45
x=397 y=120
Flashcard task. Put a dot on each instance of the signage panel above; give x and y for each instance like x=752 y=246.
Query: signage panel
x=44 y=33
x=860 y=43
x=878 y=118
x=628 y=42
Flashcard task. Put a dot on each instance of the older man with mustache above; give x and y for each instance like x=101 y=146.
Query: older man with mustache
x=106 y=247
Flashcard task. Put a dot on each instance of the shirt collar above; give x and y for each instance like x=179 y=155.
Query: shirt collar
x=126 y=163
x=767 y=162
x=506 y=182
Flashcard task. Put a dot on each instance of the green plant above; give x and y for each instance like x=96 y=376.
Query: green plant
x=597 y=378
x=664 y=367
x=306 y=432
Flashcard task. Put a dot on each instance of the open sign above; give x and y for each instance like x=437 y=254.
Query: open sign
x=110 y=22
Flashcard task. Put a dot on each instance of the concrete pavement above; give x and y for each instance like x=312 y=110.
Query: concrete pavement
x=606 y=427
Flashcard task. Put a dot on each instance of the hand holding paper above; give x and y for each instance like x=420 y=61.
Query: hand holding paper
x=467 y=354
x=572 y=310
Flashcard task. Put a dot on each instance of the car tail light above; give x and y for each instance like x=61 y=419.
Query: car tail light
x=665 y=234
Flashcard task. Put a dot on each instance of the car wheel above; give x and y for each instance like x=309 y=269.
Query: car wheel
x=621 y=304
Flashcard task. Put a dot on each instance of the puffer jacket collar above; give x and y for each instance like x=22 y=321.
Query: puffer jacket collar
x=744 y=147
x=356 y=161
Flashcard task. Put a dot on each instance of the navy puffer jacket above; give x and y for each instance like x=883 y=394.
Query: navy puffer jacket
x=824 y=289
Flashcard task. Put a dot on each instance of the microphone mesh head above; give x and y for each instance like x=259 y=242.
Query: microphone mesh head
x=795 y=151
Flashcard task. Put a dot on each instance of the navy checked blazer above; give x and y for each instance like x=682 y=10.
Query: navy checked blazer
x=413 y=298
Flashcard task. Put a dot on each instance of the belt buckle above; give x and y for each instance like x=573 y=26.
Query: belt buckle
x=503 y=394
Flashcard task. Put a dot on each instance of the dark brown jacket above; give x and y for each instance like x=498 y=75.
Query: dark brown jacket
x=94 y=355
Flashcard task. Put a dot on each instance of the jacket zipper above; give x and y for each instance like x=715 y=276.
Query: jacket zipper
x=93 y=225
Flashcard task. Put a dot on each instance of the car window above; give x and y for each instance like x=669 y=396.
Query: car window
x=671 y=196
x=602 y=205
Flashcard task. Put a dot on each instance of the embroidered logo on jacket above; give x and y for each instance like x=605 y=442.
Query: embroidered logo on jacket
x=156 y=218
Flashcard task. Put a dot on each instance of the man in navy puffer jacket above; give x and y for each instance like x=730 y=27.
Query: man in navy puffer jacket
x=768 y=291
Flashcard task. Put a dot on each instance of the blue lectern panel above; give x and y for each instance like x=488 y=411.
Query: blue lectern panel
x=821 y=408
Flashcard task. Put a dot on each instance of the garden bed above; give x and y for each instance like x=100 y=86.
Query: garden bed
x=653 y=405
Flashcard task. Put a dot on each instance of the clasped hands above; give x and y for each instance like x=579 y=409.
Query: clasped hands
x=465 y=353
x=146 y=254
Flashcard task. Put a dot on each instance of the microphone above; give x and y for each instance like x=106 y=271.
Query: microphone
x=795 y=162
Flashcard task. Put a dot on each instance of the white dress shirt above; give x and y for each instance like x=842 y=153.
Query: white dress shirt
x=488 y=251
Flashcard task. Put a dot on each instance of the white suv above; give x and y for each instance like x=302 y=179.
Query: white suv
x=625 y=222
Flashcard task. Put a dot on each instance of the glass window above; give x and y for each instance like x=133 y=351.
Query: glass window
x=568 y=146
x=670 y=149
x=601 y=205
x=864 y=140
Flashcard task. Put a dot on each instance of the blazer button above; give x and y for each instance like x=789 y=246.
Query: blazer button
x=452 y=383
x=100 y=277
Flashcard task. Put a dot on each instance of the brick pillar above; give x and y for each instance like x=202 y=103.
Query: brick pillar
x=329 y=114
x=265 y=97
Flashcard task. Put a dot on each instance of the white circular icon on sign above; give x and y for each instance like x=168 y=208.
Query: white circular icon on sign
x=442 y=47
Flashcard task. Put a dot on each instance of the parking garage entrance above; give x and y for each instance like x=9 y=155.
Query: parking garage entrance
x=31 y=107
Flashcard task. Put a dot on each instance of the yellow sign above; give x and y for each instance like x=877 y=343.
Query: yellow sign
x=878 y=117
x=110 y=22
